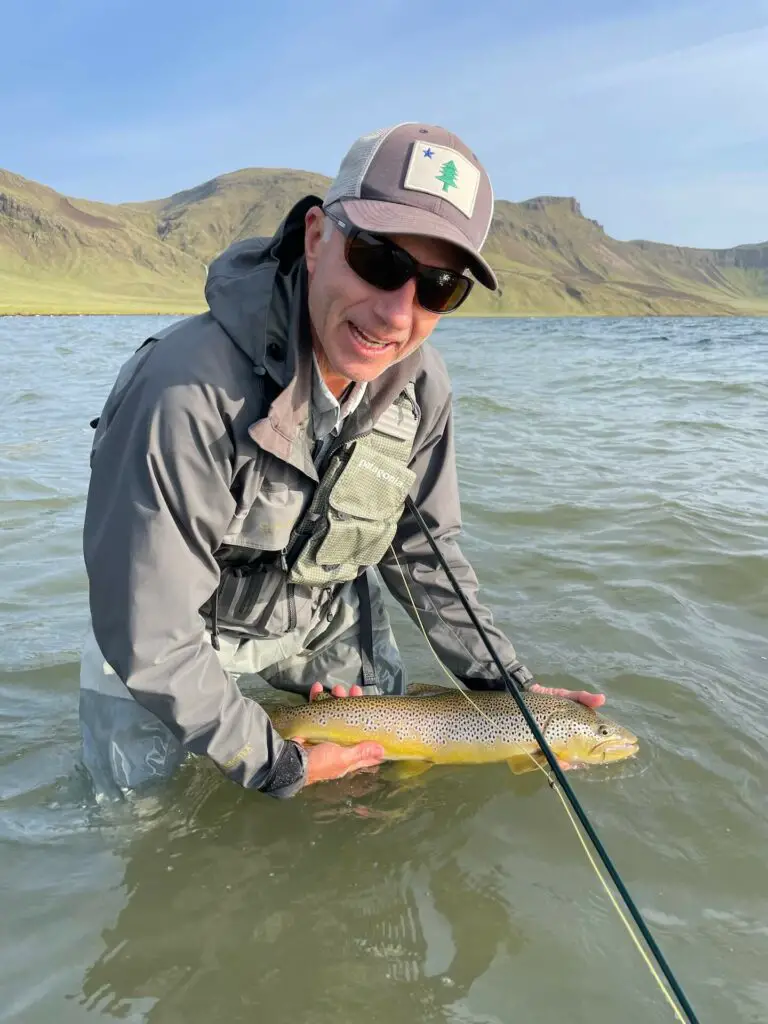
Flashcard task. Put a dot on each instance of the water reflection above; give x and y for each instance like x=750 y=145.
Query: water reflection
x=344 y=899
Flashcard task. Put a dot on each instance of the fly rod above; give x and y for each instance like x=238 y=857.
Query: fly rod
x=557 y=770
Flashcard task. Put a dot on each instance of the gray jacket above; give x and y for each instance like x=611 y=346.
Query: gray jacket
x=202 y=462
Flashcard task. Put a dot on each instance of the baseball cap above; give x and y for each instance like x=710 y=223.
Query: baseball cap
x=418 y=179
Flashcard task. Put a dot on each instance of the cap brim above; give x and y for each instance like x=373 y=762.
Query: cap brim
x=386 y=218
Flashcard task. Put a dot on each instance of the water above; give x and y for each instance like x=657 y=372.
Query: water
x=615 y=486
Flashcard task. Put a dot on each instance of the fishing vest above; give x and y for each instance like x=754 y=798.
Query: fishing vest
x=358 y=502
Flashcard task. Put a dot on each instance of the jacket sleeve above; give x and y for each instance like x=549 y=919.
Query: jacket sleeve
x=449 y=628
x=158 y=505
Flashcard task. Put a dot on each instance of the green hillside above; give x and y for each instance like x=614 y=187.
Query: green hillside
x=65 y=255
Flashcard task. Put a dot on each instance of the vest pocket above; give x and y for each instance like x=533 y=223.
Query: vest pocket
x=364 y=508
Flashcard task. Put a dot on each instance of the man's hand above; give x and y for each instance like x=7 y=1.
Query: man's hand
x=338 y=691
x=327 y=761
x=592 y=700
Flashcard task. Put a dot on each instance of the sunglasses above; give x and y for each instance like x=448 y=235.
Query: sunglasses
x=383 y=264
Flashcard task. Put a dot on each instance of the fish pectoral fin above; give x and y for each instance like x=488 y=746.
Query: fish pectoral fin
x=425 y=689
x=402 y=770
x=522 y=763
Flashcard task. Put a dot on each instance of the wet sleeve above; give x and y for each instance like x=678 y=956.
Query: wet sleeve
x=450 y=629
x=158 y=505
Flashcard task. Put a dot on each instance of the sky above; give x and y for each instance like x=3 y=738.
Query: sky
x=654 y=115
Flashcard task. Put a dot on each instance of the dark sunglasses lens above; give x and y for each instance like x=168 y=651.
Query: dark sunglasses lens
x=388 y=267
x=378 y=263
x=442 y=291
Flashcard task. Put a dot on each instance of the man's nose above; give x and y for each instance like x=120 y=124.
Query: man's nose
x=395 y=309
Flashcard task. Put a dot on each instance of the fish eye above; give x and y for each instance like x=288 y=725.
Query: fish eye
x=604 y=730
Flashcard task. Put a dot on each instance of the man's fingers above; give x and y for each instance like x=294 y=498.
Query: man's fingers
x=332 y=761
x=364 y=755
x=591 y=700
x=553 y=691
x=337 y=691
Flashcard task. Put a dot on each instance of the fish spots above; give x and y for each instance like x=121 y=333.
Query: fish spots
x=451 y=727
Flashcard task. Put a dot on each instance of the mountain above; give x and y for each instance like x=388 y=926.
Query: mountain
x=65 y=255
x=551 y=259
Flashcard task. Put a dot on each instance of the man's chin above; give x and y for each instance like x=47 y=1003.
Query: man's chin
x=365 y=370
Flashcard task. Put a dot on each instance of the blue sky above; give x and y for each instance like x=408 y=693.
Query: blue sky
x=653 y=115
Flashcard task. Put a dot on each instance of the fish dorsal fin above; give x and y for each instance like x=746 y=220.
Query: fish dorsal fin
x=324 y=695
x=425 y=689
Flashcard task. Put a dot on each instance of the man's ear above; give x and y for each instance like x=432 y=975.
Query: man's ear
x=314 y=222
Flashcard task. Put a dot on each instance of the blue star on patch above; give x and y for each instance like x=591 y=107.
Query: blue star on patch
x=429 y=152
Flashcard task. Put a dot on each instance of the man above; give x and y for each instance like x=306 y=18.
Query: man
x=250 y=468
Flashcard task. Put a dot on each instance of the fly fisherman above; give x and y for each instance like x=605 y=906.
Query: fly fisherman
x=250 y=467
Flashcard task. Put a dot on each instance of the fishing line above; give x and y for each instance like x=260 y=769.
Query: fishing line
x=567 y=809
x=565 y=787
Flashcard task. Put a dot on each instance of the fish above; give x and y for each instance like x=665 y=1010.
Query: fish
x=432 y=725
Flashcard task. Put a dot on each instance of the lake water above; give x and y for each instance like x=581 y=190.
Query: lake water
x=615 y=489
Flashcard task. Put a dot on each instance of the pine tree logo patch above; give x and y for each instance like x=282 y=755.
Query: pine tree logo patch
x=445 y=173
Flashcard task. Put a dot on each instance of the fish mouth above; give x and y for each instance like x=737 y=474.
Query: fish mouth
x=614 y=749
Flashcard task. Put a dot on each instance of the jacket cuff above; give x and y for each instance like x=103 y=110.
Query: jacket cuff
x=521 y=676
x=288 y=773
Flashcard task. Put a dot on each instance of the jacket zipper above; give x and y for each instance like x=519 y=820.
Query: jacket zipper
x=247 y=600
x=292 y=615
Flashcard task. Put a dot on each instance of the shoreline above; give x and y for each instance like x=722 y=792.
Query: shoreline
x=718 y=315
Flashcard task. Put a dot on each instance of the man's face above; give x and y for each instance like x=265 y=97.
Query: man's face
x=359 y=330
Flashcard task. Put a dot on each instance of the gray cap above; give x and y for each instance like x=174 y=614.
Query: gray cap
x=418 y=179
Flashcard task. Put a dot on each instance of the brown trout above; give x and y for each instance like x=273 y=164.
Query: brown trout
x=436 y=725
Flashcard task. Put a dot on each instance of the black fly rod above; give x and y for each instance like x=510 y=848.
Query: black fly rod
x=558 y=772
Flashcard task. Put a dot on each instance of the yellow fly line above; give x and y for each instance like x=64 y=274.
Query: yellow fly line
x=553 y=784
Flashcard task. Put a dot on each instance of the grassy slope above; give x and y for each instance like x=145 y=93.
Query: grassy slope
x=553 y=260
x=63 y=255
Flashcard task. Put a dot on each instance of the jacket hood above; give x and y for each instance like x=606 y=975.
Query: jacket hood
x=255 y=289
